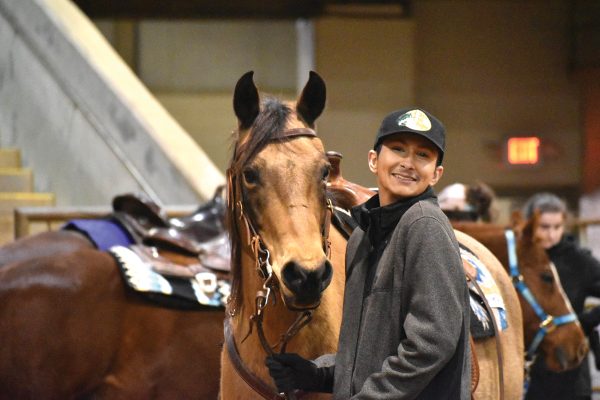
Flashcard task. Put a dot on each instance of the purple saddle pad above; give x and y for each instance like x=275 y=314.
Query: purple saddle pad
x=103 y=233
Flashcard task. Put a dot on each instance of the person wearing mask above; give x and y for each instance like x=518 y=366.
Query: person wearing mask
x=579 y=273
x=405 y=321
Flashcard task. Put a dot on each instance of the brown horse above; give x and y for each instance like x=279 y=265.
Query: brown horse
x=563 y=345
x=282 y=279
x=70 y=329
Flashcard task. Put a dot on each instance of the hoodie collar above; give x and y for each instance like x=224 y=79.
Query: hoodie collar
x=379 y=221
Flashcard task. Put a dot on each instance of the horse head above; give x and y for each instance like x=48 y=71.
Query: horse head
x=551 y=323
x=277 y=202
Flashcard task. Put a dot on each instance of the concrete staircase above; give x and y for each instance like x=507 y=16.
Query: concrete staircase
x=16 y=190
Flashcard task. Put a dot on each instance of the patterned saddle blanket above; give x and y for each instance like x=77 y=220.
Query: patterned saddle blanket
x=156 y=277
x=481 y=324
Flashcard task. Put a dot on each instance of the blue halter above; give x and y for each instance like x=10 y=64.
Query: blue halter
x=548 y=322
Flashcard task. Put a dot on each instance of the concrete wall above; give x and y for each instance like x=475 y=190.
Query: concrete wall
x=83 y=121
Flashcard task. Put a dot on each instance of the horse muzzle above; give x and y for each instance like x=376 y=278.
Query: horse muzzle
x=566 y=362
x=304 y=286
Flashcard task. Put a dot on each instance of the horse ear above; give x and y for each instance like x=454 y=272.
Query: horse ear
x=312 y=100
x=530 y=226
x=245 y=101
x=516 y=219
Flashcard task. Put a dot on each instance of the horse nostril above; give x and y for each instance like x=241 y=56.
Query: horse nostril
x=325 y=272
x=293 y=276
x=304 y=283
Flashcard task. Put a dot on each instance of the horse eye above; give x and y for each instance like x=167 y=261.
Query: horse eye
x=251 y=176
x=547 y=277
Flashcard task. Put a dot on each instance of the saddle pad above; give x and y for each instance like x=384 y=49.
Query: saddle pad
x=103 y=233
x=203 y=290
x=480 y=320
x=480 y=326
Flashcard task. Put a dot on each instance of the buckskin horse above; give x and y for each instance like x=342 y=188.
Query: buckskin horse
x=285 y=294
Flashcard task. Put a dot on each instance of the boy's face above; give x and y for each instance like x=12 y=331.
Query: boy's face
x=405 y=167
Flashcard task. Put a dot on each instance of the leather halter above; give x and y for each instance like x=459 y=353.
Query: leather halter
x=548 y=322
x=263 y=267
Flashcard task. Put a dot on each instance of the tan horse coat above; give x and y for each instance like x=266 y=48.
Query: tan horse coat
x=511 y=339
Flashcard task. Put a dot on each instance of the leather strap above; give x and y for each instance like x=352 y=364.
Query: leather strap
x=474 y=368
x=496 y=333
x=260 y=387
x=325 y=230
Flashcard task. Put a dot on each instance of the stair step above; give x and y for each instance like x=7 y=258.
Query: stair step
x=16 y=179
x=10 y=158
x=12 y=200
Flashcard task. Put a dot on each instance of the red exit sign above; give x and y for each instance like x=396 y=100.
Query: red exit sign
x=523 y=150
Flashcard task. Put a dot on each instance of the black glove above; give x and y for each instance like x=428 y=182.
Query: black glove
x=290 y=371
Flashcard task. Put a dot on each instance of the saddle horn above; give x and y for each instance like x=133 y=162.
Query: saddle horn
x=312 y=100
x=245 y=100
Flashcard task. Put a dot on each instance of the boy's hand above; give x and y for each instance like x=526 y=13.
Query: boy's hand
x=290 y=371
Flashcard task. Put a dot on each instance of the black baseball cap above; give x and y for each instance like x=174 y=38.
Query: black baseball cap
x=413 y=120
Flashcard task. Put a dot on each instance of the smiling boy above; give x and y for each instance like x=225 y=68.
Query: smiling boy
x=405 y=321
